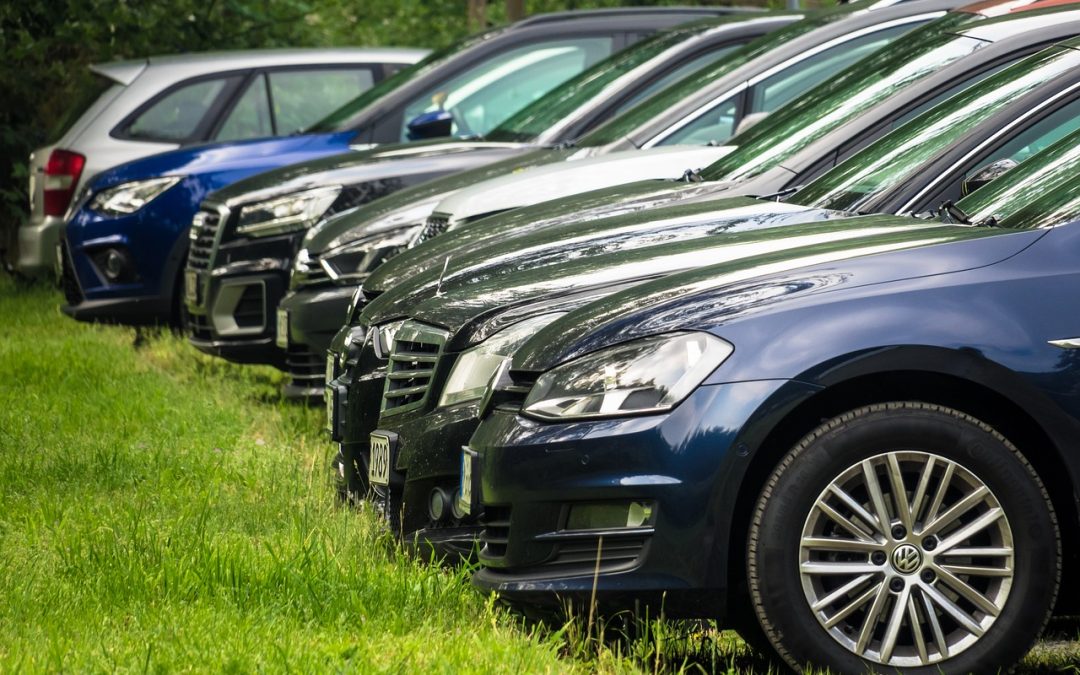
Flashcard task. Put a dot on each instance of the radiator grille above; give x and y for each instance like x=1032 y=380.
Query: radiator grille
x=435 y=225
x=202 y=236
x=411 y=369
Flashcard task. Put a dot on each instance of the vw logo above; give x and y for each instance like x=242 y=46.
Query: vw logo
x=906 y=559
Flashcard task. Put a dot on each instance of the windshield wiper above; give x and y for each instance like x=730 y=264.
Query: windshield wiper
x=777 y=196
x=953 y=214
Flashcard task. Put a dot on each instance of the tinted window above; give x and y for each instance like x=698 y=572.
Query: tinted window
x=487 y=94
x=782 y=87
x=683 y=70
x=250 y=117
x=846 y=96
x=890 y=160
x=177 y=115
x=303 y=97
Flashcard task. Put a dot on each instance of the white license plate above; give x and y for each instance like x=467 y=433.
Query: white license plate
x=191 y=286
x=467 y=494
x=59 y=261
x=331 y=370
x=282 y=338
x=379 y=466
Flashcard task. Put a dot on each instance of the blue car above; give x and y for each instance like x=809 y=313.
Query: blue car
x=124 y=247
x=863 y=453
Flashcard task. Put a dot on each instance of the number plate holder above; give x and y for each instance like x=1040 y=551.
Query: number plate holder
x=469 y=492
x=383 y=449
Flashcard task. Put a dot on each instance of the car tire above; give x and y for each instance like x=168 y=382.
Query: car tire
x=350 y=478
x=973 y=566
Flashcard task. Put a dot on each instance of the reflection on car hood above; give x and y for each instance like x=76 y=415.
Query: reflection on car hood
x=223 y=158
x=639 y=245
x=358 y=166
x=356 y=223
x=554 y=220
x=878 y=249
x=523 y=188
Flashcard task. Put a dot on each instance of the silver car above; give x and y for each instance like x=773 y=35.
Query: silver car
x=147 y=106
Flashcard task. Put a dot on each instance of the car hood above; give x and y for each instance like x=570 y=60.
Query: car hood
x=635 y=246
x=574 y=177
x=553 y=221
x=240 y=156
x=877 y=250
x=358 y=166
x=348 y=226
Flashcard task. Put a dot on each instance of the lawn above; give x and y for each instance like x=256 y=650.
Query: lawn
x=163 y=511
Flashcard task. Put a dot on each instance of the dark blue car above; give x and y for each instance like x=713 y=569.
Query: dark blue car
x=123 y=253
x=864 y=453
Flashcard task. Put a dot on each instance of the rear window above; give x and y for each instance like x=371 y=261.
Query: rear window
x=88 y=88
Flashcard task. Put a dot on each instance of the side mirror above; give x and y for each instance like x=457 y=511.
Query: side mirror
x=986 y=174
x=435 y=124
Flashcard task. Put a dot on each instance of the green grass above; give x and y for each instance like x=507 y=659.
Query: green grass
x=164 y=511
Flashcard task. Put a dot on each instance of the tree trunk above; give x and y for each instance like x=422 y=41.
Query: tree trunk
x=515 y=9
x=477 y=14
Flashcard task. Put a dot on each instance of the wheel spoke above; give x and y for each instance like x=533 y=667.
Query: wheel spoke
x=877 y=498
x=854 y=605
x=841 y=592
x=916 y=628
x=979 y=552
x=958 y=509
x=975 y=571
x=858 y=509
x=920 y=491
x=939 y=495
x=871 y=620
x=935 y=624
x=953 y=610
x=899 y=492
x=966 y=532
x=970 y=594
x=822 y=568
x=896 y=620
x=831 y=544
x=845 y=523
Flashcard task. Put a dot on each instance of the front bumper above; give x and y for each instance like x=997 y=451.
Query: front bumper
x=685 y=465
x=314 y=316
x=37 y=246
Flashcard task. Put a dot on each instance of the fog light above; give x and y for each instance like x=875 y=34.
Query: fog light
x=609 y=515
x=115 y=265
x=438 y=504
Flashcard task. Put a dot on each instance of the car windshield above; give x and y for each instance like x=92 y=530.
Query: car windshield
x=852 y=92
x=568 y=97
x=658 y=104
x=894 y=158
x=345 y=117
x=1041 y=191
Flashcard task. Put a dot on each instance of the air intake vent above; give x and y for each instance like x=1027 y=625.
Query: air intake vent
x=436 y=224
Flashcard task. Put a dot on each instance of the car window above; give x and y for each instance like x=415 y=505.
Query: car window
x=482 y=97
x=783 y=86
x=303 y=97
x=250 y=117
x=177 y=115
x=685 y=69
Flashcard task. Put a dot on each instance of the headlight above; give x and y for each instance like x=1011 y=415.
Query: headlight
x=286 y=214
x=357 y=259
x=476 y=367
x=354 y=302
x=130 y=197
x=642 y=376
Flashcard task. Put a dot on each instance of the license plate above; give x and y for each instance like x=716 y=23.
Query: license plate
x=331 y=405
x=379 y=466
x=59 y=261
x=331 y=369
x=282 y=338
x=468 y=494
x=191 y=286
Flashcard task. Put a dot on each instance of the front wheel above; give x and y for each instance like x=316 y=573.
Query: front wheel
x=903 y=537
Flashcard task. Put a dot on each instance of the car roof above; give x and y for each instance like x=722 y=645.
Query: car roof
x=125 y=72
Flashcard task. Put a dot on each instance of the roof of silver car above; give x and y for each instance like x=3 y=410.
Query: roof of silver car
x=125 y=72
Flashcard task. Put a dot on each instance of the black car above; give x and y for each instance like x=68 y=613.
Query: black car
x=745 y=86
x=246 y=263
x=427 y=405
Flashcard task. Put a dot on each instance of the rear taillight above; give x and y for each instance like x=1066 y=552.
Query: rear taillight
x=62 y=173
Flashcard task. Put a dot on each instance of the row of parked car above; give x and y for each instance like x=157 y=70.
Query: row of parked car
x=764 y=317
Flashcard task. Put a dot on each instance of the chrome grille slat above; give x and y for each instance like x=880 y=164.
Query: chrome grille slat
x=203 y=236
x=411 y=369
